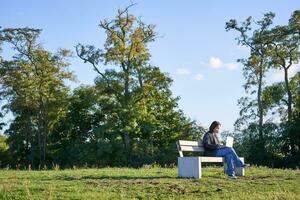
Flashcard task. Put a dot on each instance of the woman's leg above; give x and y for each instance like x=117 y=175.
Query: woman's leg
x=230 y=165
x=231 y=159
x=227 y=154
x=237 y=160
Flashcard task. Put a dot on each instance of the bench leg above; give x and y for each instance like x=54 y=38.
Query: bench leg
x=239 y=171
x=225 y=165
x=189 y=167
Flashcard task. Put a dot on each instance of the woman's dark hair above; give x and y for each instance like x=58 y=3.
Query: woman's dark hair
x=213 y=125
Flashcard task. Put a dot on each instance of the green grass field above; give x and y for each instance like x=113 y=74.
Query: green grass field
x=148 y=183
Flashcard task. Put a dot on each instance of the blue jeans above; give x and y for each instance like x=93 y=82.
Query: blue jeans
x=231 y=158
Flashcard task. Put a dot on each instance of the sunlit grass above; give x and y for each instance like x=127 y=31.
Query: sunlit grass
x=148 y=183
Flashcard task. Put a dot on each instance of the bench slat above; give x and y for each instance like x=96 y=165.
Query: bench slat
x=212 y=159
x=192 y=148
x=190 y=143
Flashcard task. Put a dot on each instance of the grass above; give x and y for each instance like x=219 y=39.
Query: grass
x=148 y=183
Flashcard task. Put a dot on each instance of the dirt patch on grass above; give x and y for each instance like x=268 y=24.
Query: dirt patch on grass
x=268 y=177
x=152 y=186
x=175 y=188
x=110 y=183
x=168 y=187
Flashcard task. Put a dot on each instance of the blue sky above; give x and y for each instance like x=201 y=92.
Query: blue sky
x=193 y=47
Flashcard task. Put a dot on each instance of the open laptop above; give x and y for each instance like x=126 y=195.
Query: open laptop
x=229 y=141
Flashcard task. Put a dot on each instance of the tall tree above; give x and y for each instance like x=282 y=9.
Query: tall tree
x=255 y=66
x=125 y=47
x=279 y=145
x=284 y=52
x=142 y=111
x=33 y=84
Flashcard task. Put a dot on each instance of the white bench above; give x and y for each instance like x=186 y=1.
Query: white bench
x=190 y=166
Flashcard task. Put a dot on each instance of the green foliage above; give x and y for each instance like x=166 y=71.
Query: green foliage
x=4 y=154
x=91 y=130
x=141 y=120
x=126 y=48
x=291 y=142
x=32 y=82
x=266 y=142
x=255 y=67
x=129 y=117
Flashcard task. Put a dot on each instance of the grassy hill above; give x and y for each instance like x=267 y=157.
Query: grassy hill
x=148 y=183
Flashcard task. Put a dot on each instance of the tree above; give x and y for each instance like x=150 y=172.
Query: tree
x=255 y=68
x=33 y=85
x=125 y=47
x=274 y=97
x=278 y=47
x=143 y=113
x=69 y=143
x=284 y=52
x=89 y=134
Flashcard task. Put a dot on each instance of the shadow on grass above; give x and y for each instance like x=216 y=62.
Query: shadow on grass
x=269 y=177
x=70 y=178
x=105 y=177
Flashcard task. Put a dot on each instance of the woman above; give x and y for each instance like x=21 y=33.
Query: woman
x=213 y=147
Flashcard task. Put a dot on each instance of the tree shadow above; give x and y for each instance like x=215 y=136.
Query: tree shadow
x=105 y=177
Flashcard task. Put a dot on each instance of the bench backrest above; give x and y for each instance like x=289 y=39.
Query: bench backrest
x=192 y=146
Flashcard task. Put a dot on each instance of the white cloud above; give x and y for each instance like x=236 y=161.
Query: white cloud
x=183 y=71
x=232 y=65
x=215 y=62
x=199 y=77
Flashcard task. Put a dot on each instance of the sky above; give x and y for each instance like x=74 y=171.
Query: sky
x=193 y=47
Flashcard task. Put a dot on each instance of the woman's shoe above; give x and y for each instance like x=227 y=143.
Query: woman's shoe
x=245 y=165
x=232 y=177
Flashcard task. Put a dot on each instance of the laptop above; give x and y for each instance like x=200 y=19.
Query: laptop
x=229 y=141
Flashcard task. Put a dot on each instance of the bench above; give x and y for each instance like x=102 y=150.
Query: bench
x=190 y=166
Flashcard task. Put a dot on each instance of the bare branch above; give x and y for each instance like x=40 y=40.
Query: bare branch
x=81 y=55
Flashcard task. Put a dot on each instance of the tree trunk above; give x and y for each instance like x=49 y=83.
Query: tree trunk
x=289 y=94
x=126 y=136
x=126 y=141
x=261 y=142
x=39 y=143
x=289 y=105
x=260 y=107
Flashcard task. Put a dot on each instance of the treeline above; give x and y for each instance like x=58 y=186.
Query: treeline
x=269 y=125
x=127 y=118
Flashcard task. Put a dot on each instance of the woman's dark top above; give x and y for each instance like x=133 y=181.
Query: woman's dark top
x=211 y=143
